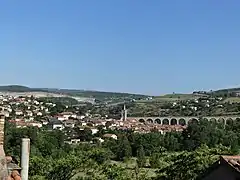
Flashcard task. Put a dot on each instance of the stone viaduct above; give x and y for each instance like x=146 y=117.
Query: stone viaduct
x=171 y=120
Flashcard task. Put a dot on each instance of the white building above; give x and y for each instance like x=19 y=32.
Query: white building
x=114 y=136
x=94 y=131
x=55 y=124
x=18 y=113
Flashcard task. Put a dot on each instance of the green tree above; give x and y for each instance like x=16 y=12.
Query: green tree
x=154 y=160
x=64 y=168
x=141 y=159
x=100 y=155
x=124 y=149
x=189 y=165
x=114 y=172
x=39 y=166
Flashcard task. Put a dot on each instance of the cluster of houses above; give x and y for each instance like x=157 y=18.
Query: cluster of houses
x=30 y=111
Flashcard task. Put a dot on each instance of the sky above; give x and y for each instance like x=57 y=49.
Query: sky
x=140 y=46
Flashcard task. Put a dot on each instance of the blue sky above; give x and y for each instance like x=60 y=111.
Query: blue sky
x=141 y=46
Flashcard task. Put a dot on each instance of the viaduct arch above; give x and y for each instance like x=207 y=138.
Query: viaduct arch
x=186 y=120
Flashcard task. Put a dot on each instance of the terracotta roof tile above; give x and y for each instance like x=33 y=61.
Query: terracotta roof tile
x=233 y=161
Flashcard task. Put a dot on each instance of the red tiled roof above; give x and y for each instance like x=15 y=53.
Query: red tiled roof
x=233 y=161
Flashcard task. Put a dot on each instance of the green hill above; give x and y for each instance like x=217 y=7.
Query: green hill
x=230 y=90
x=74 y=92
x=15 y=88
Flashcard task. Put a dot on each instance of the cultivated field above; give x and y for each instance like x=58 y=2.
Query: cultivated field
x=232 y=100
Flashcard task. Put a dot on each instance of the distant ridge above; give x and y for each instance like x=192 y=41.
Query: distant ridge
x=72 y=92
x=227 y=90
x=15 y=88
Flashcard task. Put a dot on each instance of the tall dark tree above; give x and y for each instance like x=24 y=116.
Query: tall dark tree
x=124 y=149
x=141 y=159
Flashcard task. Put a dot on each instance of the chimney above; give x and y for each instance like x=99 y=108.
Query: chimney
x=25 y=158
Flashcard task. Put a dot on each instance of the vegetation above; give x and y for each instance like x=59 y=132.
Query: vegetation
x=15 y=88
x=68 y=101
x=198 y=147
x=105 y=97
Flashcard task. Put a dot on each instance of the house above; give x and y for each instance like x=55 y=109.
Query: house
x=73 y=141
x=82 y=123
x=226 y=168
x=80 y=117
x=44 y=122
x=5 y=113
x=67 y=115
x=60 y=118
x=98 y=139
x=69 y=123
x=39 y=114
x=36 y=124
x=18 y=112
x=94 y=130
x=55 y=124
x=114 y=136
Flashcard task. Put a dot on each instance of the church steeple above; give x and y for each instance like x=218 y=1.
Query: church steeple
x=124 y=113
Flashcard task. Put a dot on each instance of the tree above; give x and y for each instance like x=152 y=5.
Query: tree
x=108 y=124
x=101 y=131
x=39 y=166
x=124 y=149
x=141 y=159
x=204 y=132
x=64 y=168
x=114 y=172
x=100 y=155
x=84 y=135
x=155 y=161
x=189 y=165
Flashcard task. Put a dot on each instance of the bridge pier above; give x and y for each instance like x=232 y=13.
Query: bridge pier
x=178 y=121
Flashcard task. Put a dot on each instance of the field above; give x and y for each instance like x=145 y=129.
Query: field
x=129 y=166
x=232 y=100
x=164 y=160
x=170 y=97
x=132 y=163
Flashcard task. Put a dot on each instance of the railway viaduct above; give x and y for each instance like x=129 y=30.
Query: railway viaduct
x=172 y=120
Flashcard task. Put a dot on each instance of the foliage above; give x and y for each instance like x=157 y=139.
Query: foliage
x=141 y=159
x=189 y=165
x=63 y=100
x=124 y=150
x=196 y=147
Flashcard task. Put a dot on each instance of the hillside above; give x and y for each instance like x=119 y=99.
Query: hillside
x=15 y=88
x=229 y=90
x=73 y=92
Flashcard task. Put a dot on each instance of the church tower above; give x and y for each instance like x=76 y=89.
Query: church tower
x=124 y=113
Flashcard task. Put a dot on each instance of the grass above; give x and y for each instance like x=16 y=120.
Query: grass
x=166 y=158
x=129 y=166
x=232 y=100
x=132 y=163
x=171 y=97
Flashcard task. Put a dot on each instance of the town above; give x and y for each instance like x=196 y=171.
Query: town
x=136 y=128
x=29 y=110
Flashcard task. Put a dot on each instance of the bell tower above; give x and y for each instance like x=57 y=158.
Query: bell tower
x=124 y=113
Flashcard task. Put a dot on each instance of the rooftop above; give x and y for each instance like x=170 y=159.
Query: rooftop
x=233 y=161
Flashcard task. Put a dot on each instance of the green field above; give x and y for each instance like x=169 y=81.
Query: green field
x=232 y=100
x=131 y=164
x=171 y=97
